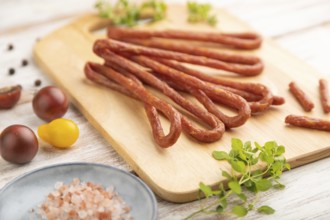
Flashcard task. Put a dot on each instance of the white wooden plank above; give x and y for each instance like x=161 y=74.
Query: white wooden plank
x=274 y=18
x=312 y=46
x=18 y=14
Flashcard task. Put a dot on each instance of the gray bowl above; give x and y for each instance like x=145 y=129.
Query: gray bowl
x=26 y=192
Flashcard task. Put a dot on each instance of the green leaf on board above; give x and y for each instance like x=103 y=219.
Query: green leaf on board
x=227 y=175
x=266 y=210
x=235 y=187
x=239 y=210
x=207 y=190
x=220 y=155
x=238 y=166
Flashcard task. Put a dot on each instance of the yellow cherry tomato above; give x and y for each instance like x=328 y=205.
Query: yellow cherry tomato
x=60 y=132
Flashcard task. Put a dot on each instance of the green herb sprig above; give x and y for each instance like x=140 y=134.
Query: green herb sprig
x=126 y=13
x=199 y=12
x=245 y=178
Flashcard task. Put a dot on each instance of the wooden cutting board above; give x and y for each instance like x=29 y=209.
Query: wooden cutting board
x=174 y=173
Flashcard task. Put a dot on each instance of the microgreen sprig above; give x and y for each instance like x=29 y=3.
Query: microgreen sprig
x=246 y=178
x=126 y=13
x=199 y=12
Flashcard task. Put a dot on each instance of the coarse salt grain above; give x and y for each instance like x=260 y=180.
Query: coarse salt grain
x=58 y=185
x=83 y=201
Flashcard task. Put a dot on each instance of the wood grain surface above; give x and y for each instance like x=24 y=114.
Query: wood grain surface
x=174 y=173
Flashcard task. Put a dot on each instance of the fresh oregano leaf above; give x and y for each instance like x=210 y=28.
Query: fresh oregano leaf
x=242 y=155
x=220 y=155
x=252 y=187
x=254 y=161
x=242 y=196
x=239 y=210
x=270 y=146
x=227 y=175
x=263 y=184
x=247 y=146
x=250 y=206
x=224 y=202
x=277 y=168
x=287 y=166
x=258 y=146
x=279 y=186
x=236 y=144
x=207 y=190
x=266 y=210
x=238 y=166
x=280 y=150
x=235 y=187
x=222 y=205
x=212 y=20
x=219 y=209
x=268 y=158
x=257 y=175
x=199 y=12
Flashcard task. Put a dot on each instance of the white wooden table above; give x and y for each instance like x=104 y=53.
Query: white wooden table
x=300 y=26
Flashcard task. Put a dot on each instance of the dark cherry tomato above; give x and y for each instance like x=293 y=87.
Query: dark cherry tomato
x=9 y=96
x=50 y=103
x=18 y=144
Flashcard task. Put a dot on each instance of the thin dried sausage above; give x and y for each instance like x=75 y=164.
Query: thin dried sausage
x=324 y=95
x=122 y=47
x=230 y=99
x=302 y=98
x=203 y=135
x=244 y=64
x=257 y=89
x=147 y=98
x=308 y=122
x=245 y=41
x=187 y=126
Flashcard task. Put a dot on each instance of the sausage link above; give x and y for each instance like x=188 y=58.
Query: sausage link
x=245 y=65
x=188 y=127
x=227 y=98
x=308 y=122
x=100 y=79
x=324 y=95
x=302 y=98
x=278 y=100
x=200 y=134
x=122 y=47
x=255 y=88
x=247 y=41
x=195 y=50
x=91 y=69
x=151 y=111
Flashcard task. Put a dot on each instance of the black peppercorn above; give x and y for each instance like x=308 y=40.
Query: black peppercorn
x=11 y=71
x=10 y=47
x=37 y=82
x=25 y=62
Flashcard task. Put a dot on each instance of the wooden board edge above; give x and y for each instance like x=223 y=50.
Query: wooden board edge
x=310 y=157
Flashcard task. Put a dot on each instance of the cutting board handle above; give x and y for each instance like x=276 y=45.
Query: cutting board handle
x=91 y=23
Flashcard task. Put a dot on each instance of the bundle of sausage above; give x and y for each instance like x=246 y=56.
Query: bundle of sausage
x=135 y=58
